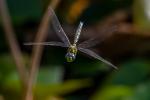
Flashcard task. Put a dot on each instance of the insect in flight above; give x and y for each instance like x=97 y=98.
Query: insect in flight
x=73 y=48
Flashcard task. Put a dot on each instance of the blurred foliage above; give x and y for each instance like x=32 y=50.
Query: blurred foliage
x=124 y=84
x=21 y=11
x=141 y=15
x=84 y=79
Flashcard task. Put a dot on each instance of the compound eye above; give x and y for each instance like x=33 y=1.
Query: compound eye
x=70 y=57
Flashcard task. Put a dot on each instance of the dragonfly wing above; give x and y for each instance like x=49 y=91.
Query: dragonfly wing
x=94 y=55
x=57 y=27
x=53 y=43
x=97 y=39
x=89 y=43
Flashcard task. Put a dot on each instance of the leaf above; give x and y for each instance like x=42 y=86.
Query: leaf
x=131 y=72
x=141 y=92
x=112 y=93
x=51 y=75
x=7 y=65
x=22 y=10
x=60 y=89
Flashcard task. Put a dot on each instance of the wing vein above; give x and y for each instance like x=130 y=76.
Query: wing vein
x=53 y=43
x=96 y=56
x=58 y=28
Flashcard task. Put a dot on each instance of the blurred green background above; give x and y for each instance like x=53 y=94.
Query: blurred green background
x=85 y=79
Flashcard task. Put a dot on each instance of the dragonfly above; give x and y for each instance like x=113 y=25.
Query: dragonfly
x=73 y=48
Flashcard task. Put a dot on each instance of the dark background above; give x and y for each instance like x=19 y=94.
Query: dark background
x=85 y=79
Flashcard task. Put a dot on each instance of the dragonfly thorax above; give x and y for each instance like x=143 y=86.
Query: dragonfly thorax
x=71 y=53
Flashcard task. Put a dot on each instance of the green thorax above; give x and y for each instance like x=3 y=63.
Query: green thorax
x=71 y=53
x=72 y=49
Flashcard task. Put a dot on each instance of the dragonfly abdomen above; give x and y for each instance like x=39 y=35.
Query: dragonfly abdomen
x=78 y=32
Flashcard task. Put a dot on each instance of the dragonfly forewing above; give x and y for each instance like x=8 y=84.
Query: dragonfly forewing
x=98 y=39
x=96 y=56
x=58 y=28
x=53 y=43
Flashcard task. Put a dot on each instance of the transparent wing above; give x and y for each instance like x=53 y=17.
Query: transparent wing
x=57 y=27
x=53 y=43
x=94 y=41
x=89 y=43
x=94 y=55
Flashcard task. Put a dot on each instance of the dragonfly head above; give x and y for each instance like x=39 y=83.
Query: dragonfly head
x=70 y=57
x=71 y=54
